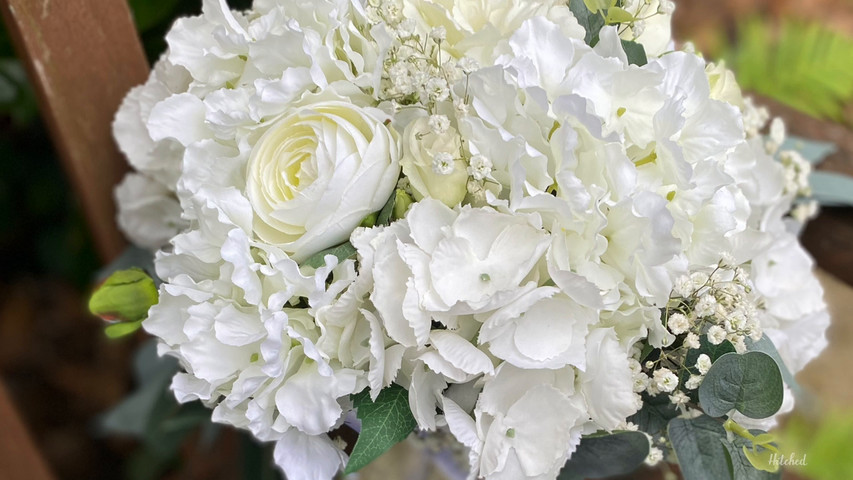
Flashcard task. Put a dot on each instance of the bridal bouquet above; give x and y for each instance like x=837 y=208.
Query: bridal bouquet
x=537 y=228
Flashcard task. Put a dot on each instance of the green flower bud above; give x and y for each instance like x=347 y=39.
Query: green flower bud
x=124 y=297
x=401 y=203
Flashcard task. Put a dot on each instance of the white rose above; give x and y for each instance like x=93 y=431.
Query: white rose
x=315 y=175
x=420 y=148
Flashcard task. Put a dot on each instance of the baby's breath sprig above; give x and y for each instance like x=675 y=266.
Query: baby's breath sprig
x=717 y=304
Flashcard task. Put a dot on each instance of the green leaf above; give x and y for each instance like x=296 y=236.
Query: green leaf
x=647 y=350
x=384 y=423
x=152 y=374
x=131 y=257
x=595 y=6
x=805 y=65
x=713 y=351
x=342 y=251
x=624 y=451
x=765 y=345
x=125 y=296
x=821 y=445
x=369 y=221
x=384 y=217
x=618 y=15
x=635 y=52
x=118 y=330
x=591 y=22
x=750 y=383
x=813 y=151
x=149 y=14
x=656 y=413
x=832 y=189
x=738 y=452
x=698 y=445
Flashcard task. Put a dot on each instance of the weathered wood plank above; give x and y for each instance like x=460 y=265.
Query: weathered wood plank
x=19 y=459
x=82 y=56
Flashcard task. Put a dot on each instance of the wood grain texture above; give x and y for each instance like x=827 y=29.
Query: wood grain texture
x=82 y=56
x=19 y=459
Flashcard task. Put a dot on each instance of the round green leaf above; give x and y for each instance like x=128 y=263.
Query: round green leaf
x=699 y=447
x=606 y=455
x=750 y=383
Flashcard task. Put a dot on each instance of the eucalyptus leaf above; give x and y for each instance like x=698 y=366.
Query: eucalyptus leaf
x=131 y=257
x=832 y=189
x=813 y=151
x=591 y=22
x=623 y=451
x=384 y=423
x=342 y=252
x=713 y=351
x=656 y=413
x=636 y=53
x=387 y=211
x=698 y=445
x=765 y=345
x=751 y=383
x=133 y=416
x=147 y=365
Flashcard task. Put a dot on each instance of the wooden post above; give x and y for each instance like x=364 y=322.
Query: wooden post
x=19 y=459
x=82 y=56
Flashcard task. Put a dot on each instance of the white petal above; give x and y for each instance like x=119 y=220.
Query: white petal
x=307 y=457
x=461 y=353
x=180 y=117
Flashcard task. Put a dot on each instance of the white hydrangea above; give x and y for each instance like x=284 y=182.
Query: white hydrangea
x=565 y=201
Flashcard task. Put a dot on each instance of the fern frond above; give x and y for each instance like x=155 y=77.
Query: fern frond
x=805 y=65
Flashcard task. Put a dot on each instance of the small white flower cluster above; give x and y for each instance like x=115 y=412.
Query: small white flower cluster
x=417 y=68
x=797 y=170
x=755 y=118
x=720 y=306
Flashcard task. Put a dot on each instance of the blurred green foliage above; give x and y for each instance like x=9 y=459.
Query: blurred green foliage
x=805 y=65
x=823 y=446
